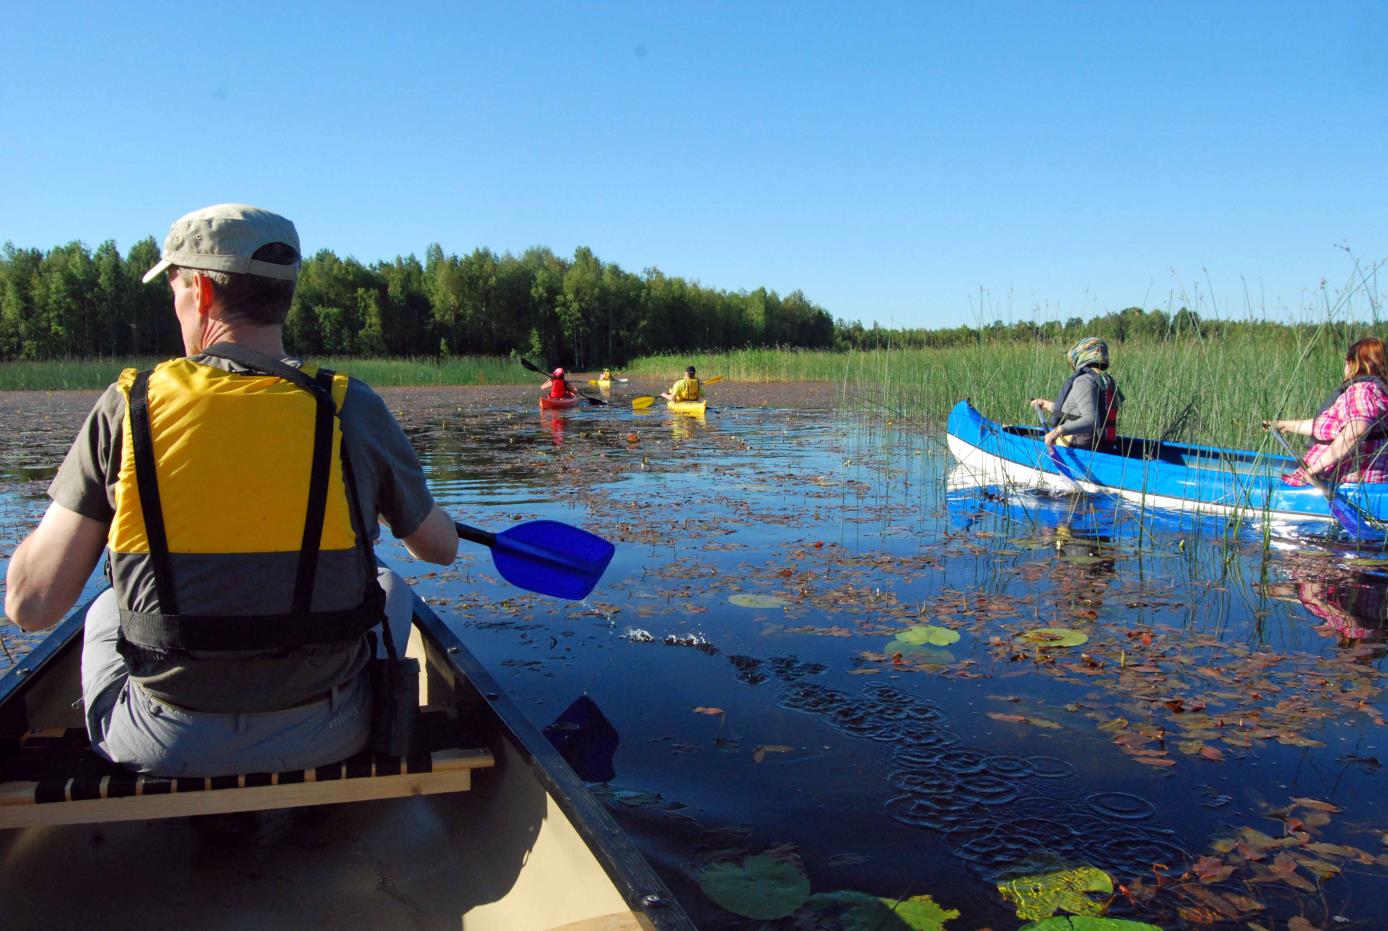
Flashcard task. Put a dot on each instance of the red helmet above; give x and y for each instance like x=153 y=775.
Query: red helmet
x=558 y=373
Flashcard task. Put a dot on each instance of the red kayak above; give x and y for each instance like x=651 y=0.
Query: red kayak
x=548 y=403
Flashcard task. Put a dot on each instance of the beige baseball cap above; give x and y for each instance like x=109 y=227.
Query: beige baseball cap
x=223 y=238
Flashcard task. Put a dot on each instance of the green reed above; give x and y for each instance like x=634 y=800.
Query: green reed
x=1229 y=385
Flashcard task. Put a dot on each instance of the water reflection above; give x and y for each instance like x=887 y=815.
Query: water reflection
x=1351 y=605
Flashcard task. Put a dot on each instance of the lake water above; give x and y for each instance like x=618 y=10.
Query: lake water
x=816 y=642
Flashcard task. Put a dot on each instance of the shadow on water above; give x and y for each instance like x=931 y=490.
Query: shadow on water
x=825 y=652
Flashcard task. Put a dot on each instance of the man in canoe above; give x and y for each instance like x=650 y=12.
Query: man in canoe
x=237 y=492
x=1085 y=413
x=687 y=388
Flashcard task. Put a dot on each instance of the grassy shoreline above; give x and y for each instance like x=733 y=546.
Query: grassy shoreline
x=1227 y=385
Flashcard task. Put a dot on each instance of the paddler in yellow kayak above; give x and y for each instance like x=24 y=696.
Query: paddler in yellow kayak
x=687 y=388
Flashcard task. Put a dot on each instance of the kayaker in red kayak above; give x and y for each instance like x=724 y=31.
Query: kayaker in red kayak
x=558 y=386
x=687 y=388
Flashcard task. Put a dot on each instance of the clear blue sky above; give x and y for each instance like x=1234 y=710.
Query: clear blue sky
x=917 y=164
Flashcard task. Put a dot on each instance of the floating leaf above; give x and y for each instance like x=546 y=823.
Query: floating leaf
x=1055 y=637
x=744 y=600
x=763 y=887
x=935 y=636
x=1043 y=894
x=858 y=911
x=701 y=709
x=760 y=752
x=1087 y=923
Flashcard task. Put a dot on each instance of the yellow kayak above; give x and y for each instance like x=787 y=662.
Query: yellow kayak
x=687 y=407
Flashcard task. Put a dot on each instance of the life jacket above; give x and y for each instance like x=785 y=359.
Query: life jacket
x=559 y=388
x=686 y=389
x=1378 y=431
x=236 y=525
x=1110 y=400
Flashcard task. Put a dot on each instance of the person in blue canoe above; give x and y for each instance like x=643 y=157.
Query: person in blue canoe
x=237 y=493
x=1085 y=413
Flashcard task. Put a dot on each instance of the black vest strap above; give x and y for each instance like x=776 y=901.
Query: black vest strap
x=314 y=515
x=218 y=633
x=147 y=480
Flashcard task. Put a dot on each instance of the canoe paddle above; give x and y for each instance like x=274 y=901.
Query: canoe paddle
x=546 y=556
x=1054 y=453
x=1357 y=522
x=596 y=402
x=643 y=402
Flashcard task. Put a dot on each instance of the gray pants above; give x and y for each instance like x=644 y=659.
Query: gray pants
x=129 y=726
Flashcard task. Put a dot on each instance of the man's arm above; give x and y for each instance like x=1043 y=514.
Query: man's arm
x=50 y=567
x=435 y=540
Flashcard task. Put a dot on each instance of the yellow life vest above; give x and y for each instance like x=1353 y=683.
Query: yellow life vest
x=233 y=493
x=686 y=389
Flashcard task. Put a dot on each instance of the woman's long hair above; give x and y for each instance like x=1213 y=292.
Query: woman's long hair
x=1366 y=357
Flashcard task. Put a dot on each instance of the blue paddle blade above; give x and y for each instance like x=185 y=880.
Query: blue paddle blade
x=1355 y=523
x=551 y=558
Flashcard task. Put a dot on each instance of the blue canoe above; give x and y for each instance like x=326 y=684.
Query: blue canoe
x=1204 y=479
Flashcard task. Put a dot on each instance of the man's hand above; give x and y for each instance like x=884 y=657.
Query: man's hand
x=1042 y=404
x=1053 y=437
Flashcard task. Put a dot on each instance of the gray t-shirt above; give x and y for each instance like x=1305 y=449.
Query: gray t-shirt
x=390 y=484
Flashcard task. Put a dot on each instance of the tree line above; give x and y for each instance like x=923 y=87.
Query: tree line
x=71 y=302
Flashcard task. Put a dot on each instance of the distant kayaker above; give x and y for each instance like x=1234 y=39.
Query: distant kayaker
x=1085 y=413
x=687 y=388
x=1350 y=432
x=222 y=647
x=606 y=375
x=558 y=386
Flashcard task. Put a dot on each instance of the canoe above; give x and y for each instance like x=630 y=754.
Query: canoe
x=688 y=407
x=1183 y=477
x=559 y=404
x=526 y=847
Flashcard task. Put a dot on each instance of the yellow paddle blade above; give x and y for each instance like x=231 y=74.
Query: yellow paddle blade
x=640 y=404
x=713 y=380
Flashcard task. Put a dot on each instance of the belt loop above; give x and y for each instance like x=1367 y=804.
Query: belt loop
x=332 y=698
x=240 y=723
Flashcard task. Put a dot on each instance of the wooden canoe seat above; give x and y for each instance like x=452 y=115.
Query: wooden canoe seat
x=53 y=777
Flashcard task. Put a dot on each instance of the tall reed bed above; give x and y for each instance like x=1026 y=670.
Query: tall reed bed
x=1224 y=388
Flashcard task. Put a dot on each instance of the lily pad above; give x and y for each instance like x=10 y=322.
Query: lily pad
x=1087 y=923
x=763 y=887
x=919 y=653
x=859 y=911
x=1055 y=637
x=1043 y=894
x=744 y=600
x=934 y=636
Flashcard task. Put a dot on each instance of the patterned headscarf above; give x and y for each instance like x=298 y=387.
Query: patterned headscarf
x=1089 y=351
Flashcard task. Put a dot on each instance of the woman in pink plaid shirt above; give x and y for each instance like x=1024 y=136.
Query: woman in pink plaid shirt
x=1351 y=430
